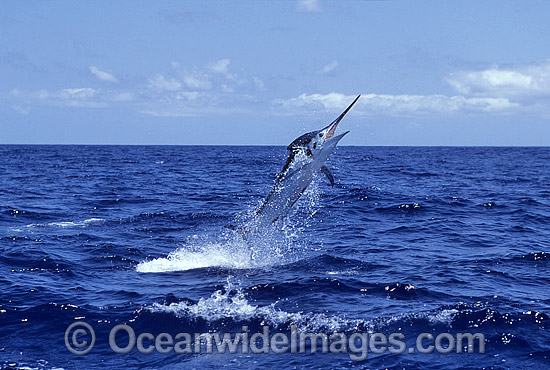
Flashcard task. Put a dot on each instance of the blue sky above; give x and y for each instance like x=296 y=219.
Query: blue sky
x=264 y=72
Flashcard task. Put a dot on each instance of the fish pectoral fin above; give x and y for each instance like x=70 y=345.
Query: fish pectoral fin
x=327 y=172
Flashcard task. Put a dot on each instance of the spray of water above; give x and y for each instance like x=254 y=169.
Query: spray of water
x=235 y=248
x=232 y=303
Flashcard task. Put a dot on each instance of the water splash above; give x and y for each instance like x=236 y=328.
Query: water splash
x=237 y=248
x=232 y=303
x=230 y=250
x=200 y=256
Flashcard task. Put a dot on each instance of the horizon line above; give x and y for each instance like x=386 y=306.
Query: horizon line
x=284 y=145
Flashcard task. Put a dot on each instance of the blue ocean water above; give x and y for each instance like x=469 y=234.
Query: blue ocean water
x=409 y=240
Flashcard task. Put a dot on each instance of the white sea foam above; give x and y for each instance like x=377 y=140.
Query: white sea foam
x=61 y=224
x=75 y=223
x=230 y=251
x=233 y=304
x=211 y=255
x=444 y=316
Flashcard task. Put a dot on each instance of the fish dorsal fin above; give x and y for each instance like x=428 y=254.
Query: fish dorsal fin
x=327 y=172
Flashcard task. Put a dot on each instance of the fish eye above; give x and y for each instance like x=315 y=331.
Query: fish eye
x=314 y=145
x=321 y=134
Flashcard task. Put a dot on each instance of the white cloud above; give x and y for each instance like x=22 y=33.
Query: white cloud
x=221 y=66
x=159 y=82
x=197 y=81
x=332 y=101
x=518 y=82
x=196 y=103
x=329 y=67
x=310 y=6
x=24 y=100
x=213 y=89
x=207 y=89
x=180 y=104
x=216 y=77
x=183 y=91
x=103 y=75
x=74 y=97
x=394 y=105
x=493 y=90
x=258 y=83
x=82 y=93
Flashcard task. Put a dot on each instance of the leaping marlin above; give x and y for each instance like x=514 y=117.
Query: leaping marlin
x=307 y=156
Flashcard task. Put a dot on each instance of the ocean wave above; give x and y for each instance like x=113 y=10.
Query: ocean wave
x=231 y=306
x=466 y=251
x=231 y=303
x=39 y=365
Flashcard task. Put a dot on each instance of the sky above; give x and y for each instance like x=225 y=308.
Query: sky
x=265 y=72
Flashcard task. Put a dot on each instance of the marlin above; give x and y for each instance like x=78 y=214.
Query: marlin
x=307 y=156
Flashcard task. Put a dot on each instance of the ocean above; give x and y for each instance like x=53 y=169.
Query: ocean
x=431 y=241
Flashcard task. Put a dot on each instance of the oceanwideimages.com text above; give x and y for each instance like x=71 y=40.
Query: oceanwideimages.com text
x=80 y=339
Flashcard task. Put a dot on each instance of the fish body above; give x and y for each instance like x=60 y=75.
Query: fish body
x=307 y=156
